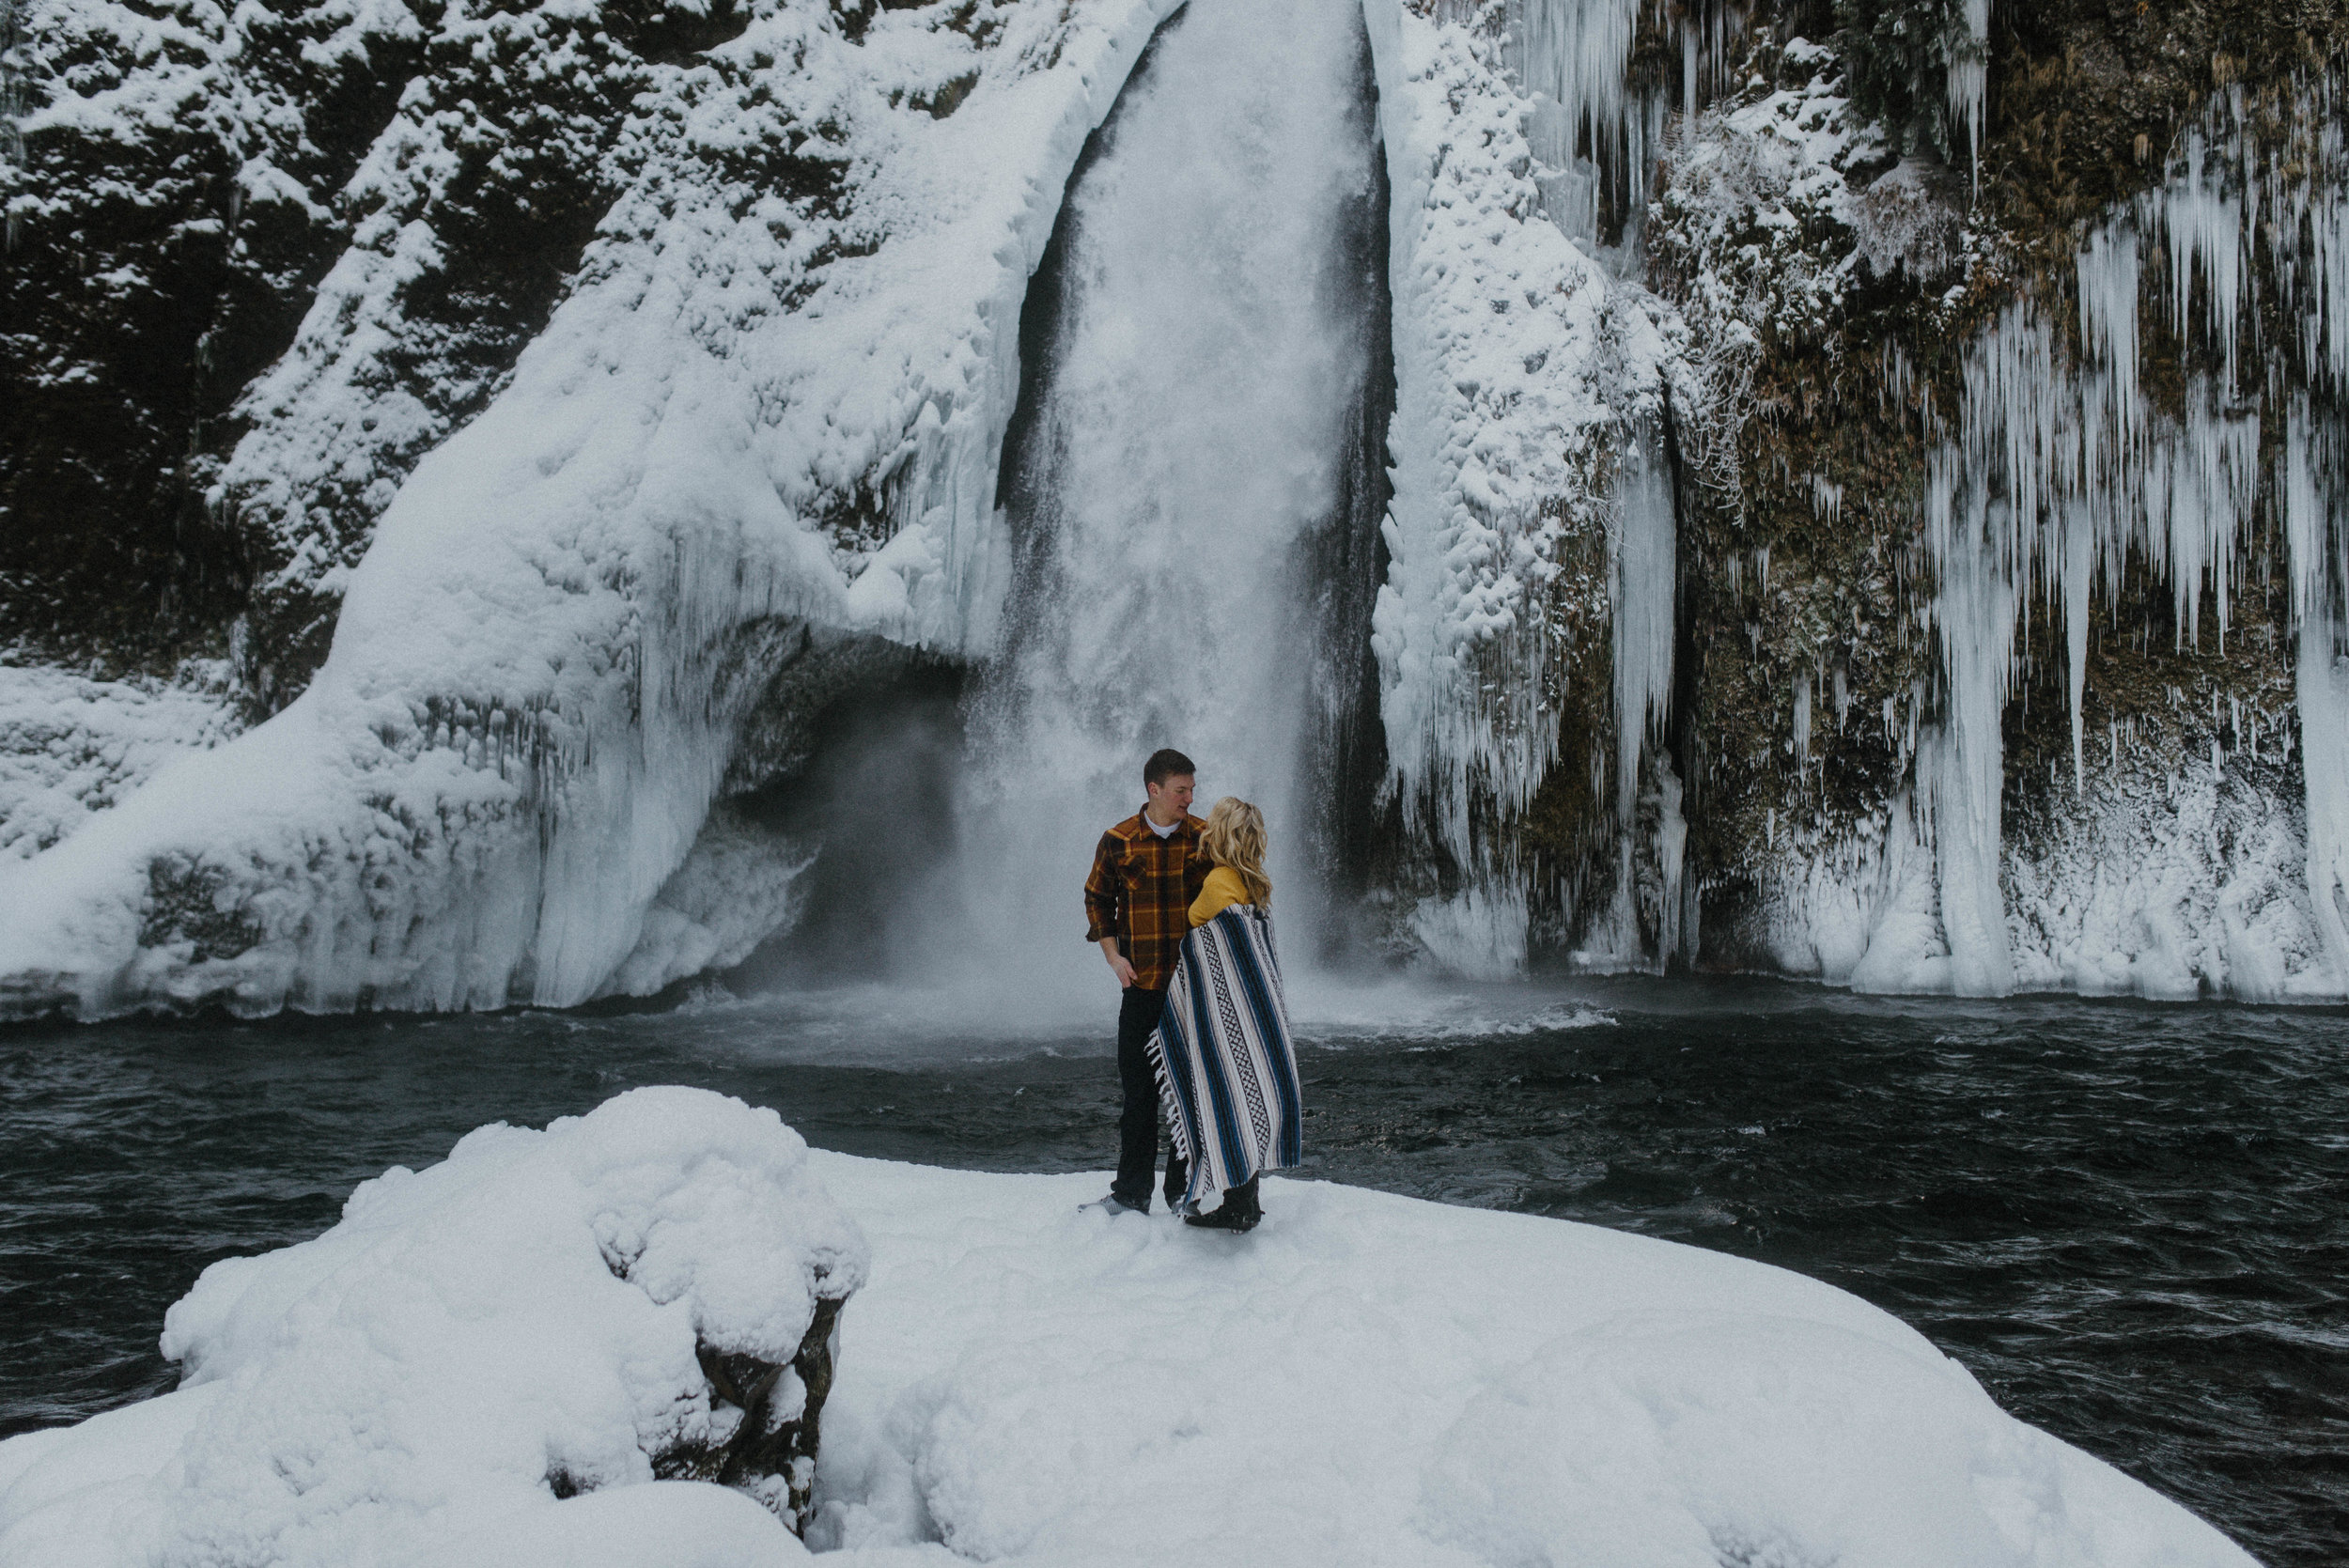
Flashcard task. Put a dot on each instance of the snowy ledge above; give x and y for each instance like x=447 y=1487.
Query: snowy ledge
x=1366 y=1379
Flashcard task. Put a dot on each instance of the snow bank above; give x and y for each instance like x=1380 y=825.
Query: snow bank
x=529 y=1318
x=773 y=404
x=1364 y=1380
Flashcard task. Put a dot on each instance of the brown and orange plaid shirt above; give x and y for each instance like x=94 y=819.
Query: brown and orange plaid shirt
x=1141 y=893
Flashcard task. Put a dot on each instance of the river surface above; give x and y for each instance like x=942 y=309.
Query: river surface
x=2126 y=1220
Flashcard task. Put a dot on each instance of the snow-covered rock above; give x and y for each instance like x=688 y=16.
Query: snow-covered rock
x=1369 y=1379
x=1522 y=369
x=72 y=746
x=1365 y=1380
x=540 y=1315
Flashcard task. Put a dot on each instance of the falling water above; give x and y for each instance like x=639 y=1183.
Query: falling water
x=1201 y=342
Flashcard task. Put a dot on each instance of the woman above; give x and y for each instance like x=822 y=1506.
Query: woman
x=1222 y=1051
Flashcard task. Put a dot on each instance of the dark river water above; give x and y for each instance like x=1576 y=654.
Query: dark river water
x=2126 y=1220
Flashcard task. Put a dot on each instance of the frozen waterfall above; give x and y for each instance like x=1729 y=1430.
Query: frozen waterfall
x=760 y=433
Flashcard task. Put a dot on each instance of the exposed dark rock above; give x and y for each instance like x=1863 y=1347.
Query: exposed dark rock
x=771 y=1451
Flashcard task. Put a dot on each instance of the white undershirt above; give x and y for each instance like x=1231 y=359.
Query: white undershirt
x=1167 y=832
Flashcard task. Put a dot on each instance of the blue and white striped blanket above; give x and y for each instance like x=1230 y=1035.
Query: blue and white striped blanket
x=1226 y=1073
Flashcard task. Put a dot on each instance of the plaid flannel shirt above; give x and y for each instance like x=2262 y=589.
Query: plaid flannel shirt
x=1140 y=892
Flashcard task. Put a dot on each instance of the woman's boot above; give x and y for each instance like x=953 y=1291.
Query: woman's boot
x=1240 y=1210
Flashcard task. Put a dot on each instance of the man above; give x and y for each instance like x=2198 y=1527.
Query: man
x=1146 y=874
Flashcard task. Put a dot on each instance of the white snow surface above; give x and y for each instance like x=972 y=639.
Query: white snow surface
x=413 y=1376
x=541 y=661
x=72 y=745
x=1366 y=1379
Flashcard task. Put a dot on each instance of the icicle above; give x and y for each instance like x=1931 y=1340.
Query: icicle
x=1643 y=611
x=1572 y=59
x=1969 y=76
x=1826 y=499
x=2323 y=697
x=1671 y=849
x=1976 y=610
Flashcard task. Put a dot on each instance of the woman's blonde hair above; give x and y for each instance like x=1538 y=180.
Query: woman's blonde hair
x=1234 y=836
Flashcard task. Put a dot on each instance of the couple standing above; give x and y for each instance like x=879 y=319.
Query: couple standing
x=1182 y=911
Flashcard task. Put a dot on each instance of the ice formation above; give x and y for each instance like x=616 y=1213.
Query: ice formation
x=2059 y=475
x=1519 y=365
x=531 y=1318
x=1369 y=1379
x=72 y=746
x=759 y=420
x=765 y=428
x=410 y=328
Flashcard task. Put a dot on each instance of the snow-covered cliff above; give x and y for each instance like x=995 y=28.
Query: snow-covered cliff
x=764 y=423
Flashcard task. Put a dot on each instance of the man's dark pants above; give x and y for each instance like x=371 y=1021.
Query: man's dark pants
x=1138 y=1129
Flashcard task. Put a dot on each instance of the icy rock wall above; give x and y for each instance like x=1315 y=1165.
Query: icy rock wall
x=179 y=179
x=2066 y=482
x=650 y=1291
x=1520 y=367
x=460 y=229
x=168 y=174
x=71 y=747
x=763 y=416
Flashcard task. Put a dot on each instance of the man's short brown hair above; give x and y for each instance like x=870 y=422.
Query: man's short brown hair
x=1164 y=764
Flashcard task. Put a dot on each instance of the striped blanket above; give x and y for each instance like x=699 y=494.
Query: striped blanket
x=1221 y=1053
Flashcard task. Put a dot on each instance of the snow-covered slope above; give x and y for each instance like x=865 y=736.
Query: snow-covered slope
x=72 y=746
x=769 y=412
x=1364 y=1380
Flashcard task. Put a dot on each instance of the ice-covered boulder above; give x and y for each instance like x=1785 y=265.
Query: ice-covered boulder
x=648 y=1293
x=1373 y=1381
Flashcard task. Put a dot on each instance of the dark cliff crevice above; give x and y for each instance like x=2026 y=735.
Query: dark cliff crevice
x=1360 y=832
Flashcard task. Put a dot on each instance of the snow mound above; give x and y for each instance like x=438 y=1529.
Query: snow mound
x=1364 y=1380
x=1709 y=1437
x=529 y=1318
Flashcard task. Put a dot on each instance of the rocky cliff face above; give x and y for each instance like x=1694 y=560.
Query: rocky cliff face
x=2011 y=583
x=259 y=262
x=1996 y=654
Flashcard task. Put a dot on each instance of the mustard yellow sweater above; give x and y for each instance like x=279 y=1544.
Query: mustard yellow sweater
x=1223 y=888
